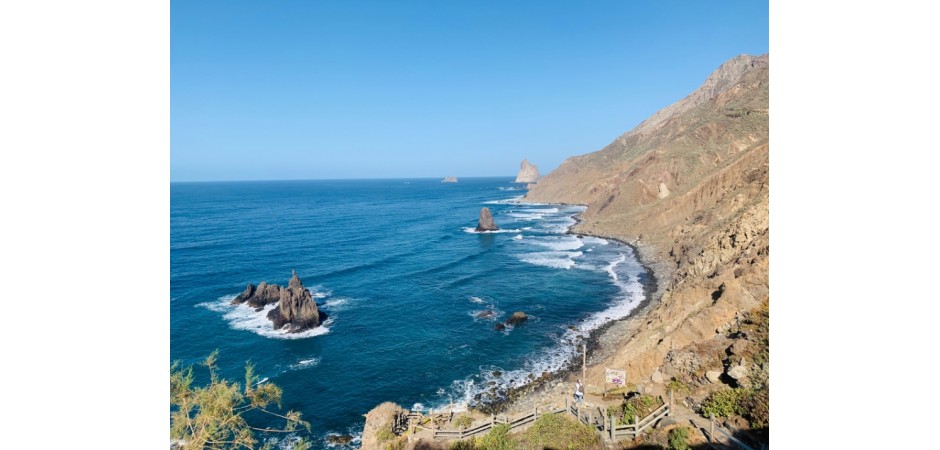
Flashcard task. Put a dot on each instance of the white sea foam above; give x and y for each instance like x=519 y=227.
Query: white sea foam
x=336 y=304
x=305 y=363
x=623 y=272
x=477 y=300
x=504 y=201
x=517 y=237
x=541 y=210
x=591 y=240
x=521 y=217
x=558 y=260
x=560 y=243
x=244 y=317
x=473 y=230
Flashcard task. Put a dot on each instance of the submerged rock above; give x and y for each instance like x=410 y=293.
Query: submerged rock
x=488 y=314
x=486 y=221
x=517 y=318
x=339 y=439
x=500 y=327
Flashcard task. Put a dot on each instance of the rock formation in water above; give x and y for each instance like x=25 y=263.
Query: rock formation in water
x=258 y=297
x=486 y=221
x=449 y=180
x=296 y=310
x=517 y=318
x=528 y=173
x=689 y=189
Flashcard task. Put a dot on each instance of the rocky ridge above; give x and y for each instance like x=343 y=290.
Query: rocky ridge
x=485 y=223
x=296 y=310
x=689 y=189
x=528 y=173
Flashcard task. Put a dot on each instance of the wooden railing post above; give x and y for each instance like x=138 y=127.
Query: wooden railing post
x=711 y=421
x=670 y=403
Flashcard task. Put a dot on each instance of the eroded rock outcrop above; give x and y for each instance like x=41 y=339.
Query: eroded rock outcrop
x=528 y=173
x=486 y=221
x=380 y=417
x=296 y=310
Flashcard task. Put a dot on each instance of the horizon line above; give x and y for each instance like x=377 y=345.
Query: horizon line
x=341 y=179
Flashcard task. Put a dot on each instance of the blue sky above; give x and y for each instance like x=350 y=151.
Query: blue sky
x=381 y=89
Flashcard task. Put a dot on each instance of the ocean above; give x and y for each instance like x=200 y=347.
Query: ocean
x=402 y=276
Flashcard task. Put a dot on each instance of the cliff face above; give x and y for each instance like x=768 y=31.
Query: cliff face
x=528 y=173
x=689 y=188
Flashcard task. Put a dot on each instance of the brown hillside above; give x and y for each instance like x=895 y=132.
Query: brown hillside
x=689 y=188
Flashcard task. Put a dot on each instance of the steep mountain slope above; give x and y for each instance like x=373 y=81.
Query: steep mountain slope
x=689 y=189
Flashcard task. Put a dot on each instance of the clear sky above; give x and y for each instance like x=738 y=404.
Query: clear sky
x=382 y=89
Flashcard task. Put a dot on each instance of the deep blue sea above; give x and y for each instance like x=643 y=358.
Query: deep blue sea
x=401 y=274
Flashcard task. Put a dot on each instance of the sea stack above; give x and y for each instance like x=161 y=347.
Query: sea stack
x=486 y=221
x=528 y=173
x=296 y=310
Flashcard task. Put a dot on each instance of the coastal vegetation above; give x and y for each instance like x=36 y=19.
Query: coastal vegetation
x=216 y=416
x=548 y=431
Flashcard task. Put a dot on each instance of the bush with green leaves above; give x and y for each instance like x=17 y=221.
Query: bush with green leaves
x=214 y=416
x=558 y=432
x=497 y=439
x=462 y=444
x=463 y=422
x=725 y=403
x=637 y=407
x=678 y=438
x=385 y=433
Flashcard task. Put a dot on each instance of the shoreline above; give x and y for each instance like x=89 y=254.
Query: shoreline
x=600 y=341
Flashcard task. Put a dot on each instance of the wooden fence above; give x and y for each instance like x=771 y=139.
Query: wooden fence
x=606 y=426
x=456 y=433
x=723 y=437
x=593 y=416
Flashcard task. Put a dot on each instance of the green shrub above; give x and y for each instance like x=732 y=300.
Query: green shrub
x=636 y=408
x=678 y=438
x=678 y=387
x=462 y=444
x=385 y=433
x=497 y=439
x=463 y=422
x=558 y=432
x=725 y=403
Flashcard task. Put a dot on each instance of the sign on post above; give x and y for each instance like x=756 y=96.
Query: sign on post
x=615 y=376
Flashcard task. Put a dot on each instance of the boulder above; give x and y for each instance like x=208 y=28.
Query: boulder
x=528 y=173
x=339 y=439
x=713 y=376
x=296 y=310
x=517 y=318
x=657 y=377
x=486 y=221
x=737 y=372
x=500 y=327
